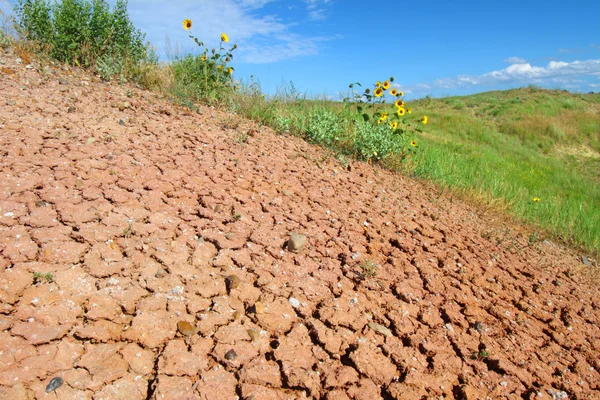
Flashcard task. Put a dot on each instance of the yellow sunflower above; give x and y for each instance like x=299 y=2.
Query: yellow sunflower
x=408 y=110
x=386 y=85
x=401 y=111
x=203 y=58
x=229 y=70
x=400 y=94
x=384 y=116
x=378 y=84
x=393 y=92
x=424 y=119
x=378 y=92
x=536 y=199
x=399 y=103
x=394 y=125
x=413 y=143
x=187 y=24
x=380 y=120
x=224 y=38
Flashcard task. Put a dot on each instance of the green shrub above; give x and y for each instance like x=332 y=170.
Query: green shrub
x=377 y=142
x=325 y=127
x=85 y=33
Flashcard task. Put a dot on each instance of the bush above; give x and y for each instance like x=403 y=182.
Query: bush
x=325 y=127
x=376 y=142
x=85 y=33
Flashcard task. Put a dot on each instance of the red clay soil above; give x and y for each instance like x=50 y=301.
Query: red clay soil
x=145 y=254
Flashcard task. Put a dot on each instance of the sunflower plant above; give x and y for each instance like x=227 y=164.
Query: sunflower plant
x=383 y=108
x=207 y=76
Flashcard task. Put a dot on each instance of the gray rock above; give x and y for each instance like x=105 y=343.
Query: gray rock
x=231 y=355
x=54 y=384
x=558 y=394
x=586 y=261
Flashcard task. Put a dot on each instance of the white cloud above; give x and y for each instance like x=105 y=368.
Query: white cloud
x=524 y=73
x=288 y=46
x=514 y=60
x=316 y=9
x=575 y=75
x=260 y=37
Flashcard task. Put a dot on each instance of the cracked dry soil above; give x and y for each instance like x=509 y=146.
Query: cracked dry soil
x=158 y=236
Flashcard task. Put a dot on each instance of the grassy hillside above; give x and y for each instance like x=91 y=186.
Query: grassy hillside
x=511 y=147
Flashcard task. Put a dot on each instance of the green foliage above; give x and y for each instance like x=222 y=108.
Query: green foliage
x=325 y=127
x=39 y=277
x=377 y=141
x=85 y=33
x=368 y=269
x=381 y=130
x=508 y=148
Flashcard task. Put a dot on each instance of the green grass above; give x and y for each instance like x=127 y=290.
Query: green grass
x=512 y=146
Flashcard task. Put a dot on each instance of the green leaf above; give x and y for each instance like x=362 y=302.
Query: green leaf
x=365 y=117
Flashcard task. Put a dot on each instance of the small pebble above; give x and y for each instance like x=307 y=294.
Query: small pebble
x=232 y=282
x=294 y=302
x=296 y=242
x=185 y=328
x=231 y=355
x=253 y=333
x=586 y=261
x=380 y=329
x=259 y=308
x=54 y=384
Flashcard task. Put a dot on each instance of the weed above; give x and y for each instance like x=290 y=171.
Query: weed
x=39 y=277
x=231 y=122
x=534 y=238
x=480 y=355
x=368 y=269
x=235 y=216
x=342 y=160
x=127 y=232
x=241 y=137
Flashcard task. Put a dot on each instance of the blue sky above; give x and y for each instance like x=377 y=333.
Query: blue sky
x=431 y=47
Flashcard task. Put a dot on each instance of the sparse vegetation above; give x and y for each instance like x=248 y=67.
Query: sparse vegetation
x=368 y=269
x=40 y=277
x=480 y=355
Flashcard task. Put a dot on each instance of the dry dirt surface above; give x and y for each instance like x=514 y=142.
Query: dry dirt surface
x=152 y=252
